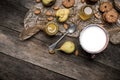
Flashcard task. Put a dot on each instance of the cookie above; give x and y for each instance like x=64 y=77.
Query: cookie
x=111 y=16
x=68 y=3
x=105 y=6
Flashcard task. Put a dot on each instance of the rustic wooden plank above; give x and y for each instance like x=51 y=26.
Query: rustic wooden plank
x=16 y=4
x=21 y=3
x=35 y=52
x=15 y=69
x=12 y=18
x=109 y=57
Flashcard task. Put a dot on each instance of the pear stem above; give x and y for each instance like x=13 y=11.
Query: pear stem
x=58 y=49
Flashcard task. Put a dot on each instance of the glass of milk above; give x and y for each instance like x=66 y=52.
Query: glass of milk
x=94 y=39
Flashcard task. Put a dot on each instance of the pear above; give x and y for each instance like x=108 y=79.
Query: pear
x=62 y=14
x=48 y=2
x=68 y=47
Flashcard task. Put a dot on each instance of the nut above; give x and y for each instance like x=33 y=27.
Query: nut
x=82 y=1
x=50 y=18
x=76 y=53
x=48 y=13
x=52 y=52
x=37 y=11
x=38 y=1
x=65 y=26
x=55 y=7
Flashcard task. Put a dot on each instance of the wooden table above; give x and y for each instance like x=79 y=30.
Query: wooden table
x=106 y=66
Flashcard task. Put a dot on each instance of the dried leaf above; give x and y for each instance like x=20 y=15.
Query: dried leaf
x=114 y=30
x=33 y=23
x=29 y=32
x=115 y=38
x=115 y=35
x=31 y=19
x=117 y=4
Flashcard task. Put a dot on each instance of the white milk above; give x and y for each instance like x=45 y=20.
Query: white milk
x=93 y=39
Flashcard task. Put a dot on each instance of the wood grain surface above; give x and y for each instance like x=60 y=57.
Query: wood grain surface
x=105 y=66
x=16 y=69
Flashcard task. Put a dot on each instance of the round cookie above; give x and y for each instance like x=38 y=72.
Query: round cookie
x=111 y=16
x=68 y=3
x=105 y=6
